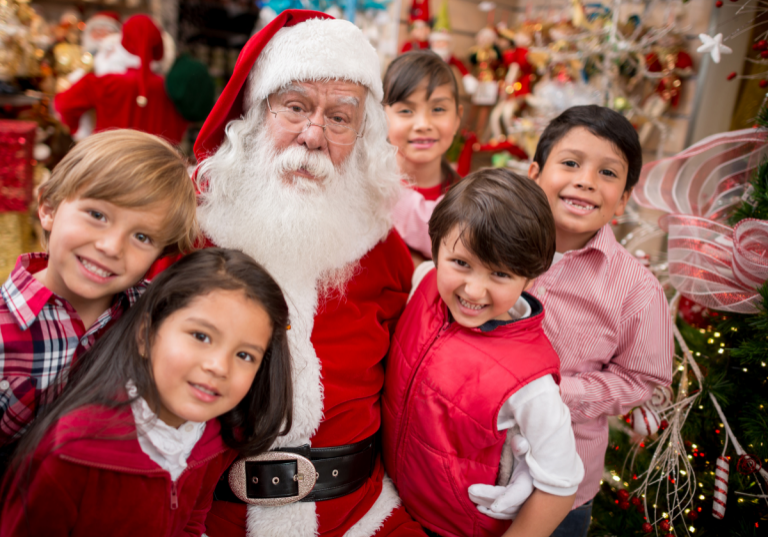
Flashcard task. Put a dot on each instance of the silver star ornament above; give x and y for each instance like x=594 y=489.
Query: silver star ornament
x=714 y=46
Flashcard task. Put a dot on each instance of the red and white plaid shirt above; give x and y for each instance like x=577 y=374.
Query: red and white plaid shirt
x=608 y=320
x=40 y=335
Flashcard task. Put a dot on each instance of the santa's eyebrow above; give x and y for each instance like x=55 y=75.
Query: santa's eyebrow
x=354 y=101
x=293 y=88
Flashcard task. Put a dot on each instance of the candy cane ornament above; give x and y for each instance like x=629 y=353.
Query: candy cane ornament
x=721 y=487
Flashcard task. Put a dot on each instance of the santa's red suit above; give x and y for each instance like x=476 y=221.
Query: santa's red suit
x=339 y=341
x=135 y=99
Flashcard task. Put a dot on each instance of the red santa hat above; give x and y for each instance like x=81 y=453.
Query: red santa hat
x=142 y=38
x=298 y=45
x=419 y=11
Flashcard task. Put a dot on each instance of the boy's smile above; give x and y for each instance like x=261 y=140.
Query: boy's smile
x=473 y=292
x=584 y=179
x=98 y=249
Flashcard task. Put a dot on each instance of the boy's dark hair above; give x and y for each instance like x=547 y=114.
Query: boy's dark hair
x=503 y=218
x=100 y=375
x=404 y=76
x=603 y=123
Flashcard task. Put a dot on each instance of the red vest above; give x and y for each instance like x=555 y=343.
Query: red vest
x=444 y=388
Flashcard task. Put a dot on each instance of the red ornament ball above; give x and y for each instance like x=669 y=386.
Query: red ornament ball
x=731 y=76
x=693 y=515
x=647 y=528
x=639 y=507
x=764 y=54
x=748 y=464
x=694 y=314
x=636 y=501
x=762 y=44
x=623 y=495
x=763 y=83
x=664 y=525
x=624 y=505
x=663 y=425
x=719 y=3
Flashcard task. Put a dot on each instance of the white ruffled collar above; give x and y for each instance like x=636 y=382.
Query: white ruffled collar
x=165 y=445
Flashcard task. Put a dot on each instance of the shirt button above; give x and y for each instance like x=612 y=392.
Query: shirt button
x=188 y=427
x=4 y=384
x=541 y=290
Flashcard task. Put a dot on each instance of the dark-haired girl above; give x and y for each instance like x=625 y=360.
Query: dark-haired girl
x=421 y=98
x=195 y=375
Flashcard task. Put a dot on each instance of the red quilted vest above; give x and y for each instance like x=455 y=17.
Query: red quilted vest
x=444 y=388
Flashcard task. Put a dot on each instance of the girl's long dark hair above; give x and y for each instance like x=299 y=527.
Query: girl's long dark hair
x=404 y=76
x=100 y=375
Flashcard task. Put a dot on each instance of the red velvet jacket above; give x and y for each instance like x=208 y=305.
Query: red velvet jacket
x=90 y=485
x=445 y=387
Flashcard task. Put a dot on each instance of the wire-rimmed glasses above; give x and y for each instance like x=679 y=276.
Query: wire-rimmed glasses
x=291 y=121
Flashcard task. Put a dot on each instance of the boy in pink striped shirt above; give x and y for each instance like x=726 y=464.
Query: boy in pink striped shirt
x=606 y=315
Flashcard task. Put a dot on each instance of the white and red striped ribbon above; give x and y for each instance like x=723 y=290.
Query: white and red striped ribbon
x=715 y=265
x=721 y=487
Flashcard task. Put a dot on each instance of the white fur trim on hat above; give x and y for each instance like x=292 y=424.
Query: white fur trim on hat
x=316 y=49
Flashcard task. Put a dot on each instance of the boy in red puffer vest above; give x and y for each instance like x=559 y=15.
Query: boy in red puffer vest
x=471 y=398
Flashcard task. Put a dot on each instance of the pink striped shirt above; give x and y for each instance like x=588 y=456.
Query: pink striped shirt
x=608 y=320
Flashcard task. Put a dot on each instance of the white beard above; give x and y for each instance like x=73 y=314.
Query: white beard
x=303 y=232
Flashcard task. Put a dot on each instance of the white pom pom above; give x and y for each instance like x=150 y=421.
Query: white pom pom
x=470 y=84
x=41 y=152
x=645 y=421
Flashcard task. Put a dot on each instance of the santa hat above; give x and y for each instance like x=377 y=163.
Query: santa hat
x=298 y=45
x=419 y=11
x=142 y=38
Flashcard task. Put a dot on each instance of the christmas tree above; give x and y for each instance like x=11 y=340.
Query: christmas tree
x=690 y=462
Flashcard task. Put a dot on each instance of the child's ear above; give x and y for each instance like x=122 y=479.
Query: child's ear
x=528 y=284
x=46 y=213
x=534 y=171
x=141 y=339
x=623 y=202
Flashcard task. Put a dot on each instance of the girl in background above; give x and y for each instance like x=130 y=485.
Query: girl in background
x=421 y=98
x=196 y=374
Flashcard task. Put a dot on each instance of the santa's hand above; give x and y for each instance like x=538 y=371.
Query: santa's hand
x=470 y=84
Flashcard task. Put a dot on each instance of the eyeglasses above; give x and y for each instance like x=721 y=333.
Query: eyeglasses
x=291 y=121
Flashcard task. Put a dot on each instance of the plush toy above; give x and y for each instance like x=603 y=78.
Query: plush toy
x=519 y=75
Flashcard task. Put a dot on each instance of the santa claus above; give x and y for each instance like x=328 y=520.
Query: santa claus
x=296 y=171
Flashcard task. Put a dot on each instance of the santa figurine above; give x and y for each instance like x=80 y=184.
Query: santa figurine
x=485 y=56
x=420 y=27
x=519 y=75
x=441 y=43
x=101 y=25
x=311 y=199
x=133 y=99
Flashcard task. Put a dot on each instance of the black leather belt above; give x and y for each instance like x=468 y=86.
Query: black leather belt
x=304 y=474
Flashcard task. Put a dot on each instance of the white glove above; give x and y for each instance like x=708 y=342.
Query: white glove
x=470 y=84
x=504 y=503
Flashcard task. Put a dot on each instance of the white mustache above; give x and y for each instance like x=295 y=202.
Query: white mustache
x=297 y=158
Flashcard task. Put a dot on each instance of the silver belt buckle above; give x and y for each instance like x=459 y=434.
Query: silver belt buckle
x=305 y=477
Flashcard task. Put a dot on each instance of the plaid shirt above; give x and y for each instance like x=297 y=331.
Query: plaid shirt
x=40 y=335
